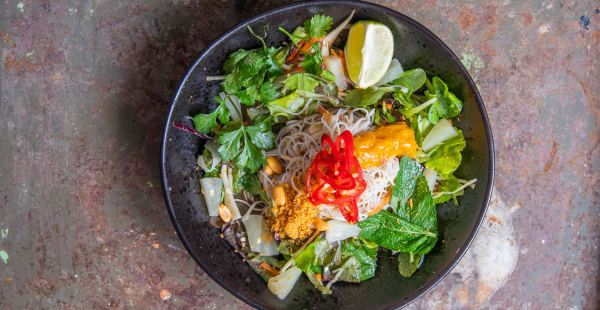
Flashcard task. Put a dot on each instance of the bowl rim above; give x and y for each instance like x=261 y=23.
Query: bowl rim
x=359 y=4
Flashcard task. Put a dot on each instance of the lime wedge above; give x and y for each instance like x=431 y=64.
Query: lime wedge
x=368 y=52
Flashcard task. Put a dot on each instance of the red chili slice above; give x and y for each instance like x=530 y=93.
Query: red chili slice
x=337 y=175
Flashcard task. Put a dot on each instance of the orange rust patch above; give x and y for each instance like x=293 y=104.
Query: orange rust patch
x=4 y=37
x=551 y=159
x=483 y=293
x=13 y=62
x=466 y=19
x=527 y=18
x=494 y=219
x=462 y=293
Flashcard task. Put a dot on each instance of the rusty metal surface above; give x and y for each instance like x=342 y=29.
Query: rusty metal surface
x=84 y=90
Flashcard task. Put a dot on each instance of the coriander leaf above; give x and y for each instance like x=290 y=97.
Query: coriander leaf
x=246 y=74
x=230 y=137
x=261 y=137
x=234 y=58
x=395 y=233
x=404 y=184
x=318 y=25
x=299 y=34
x=252 y=95
x=206 y=122
x=267 y=92
x=366 y=97
x=236 y=144
x=450 y=184
x=273 y=62
x=250 y=157
x=446 y=158
x=312 y=63
x=406 y=267
x=302 y=81
x=250 y=183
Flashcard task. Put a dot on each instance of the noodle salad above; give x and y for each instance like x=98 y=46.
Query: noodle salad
x=322 y=155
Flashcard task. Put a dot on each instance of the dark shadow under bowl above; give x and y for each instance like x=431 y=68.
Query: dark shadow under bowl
x=415 y=46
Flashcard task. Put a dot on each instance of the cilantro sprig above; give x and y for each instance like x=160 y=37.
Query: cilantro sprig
x=207 y=122
x=317 y=26
x=243 y=144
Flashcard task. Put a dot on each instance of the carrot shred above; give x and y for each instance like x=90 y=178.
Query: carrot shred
x=325 y=113
x=268 y=268
x=294 y=69
x=384 y=202
x=388 y=106
x=318 y=277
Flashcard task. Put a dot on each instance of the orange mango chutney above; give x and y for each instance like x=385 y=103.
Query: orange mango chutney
x=373 y=148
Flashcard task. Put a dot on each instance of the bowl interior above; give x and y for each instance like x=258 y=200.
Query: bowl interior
x=414 y=47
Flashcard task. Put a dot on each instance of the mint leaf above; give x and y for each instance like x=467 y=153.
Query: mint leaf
x=395 y=233
x=406 y=267
x=404 y=184
x=318 y=25
x=414 y=227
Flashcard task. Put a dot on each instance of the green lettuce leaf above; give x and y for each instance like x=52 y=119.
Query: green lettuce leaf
x=366 y=97
x=450 y=184
x=445 y=158
x=300 y=81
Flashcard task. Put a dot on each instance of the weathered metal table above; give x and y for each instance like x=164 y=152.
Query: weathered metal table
x=85 y=87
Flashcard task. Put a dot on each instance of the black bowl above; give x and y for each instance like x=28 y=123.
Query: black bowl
x=415 y=47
